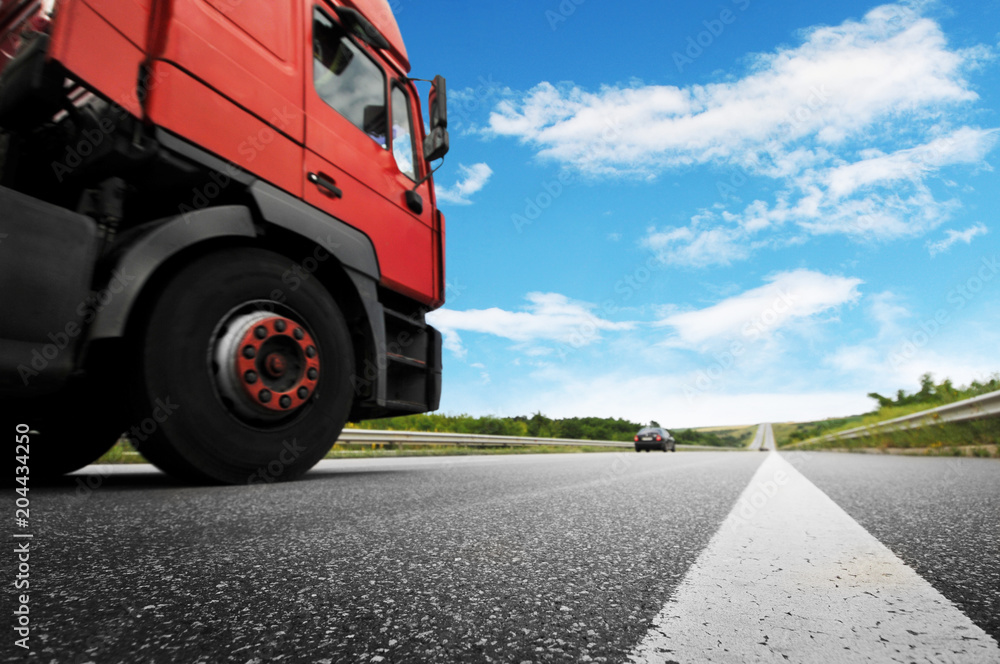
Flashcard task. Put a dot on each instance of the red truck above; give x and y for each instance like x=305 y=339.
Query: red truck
x=218 y=230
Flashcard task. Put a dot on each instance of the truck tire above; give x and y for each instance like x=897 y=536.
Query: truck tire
x=69 y=429
x=242 y=377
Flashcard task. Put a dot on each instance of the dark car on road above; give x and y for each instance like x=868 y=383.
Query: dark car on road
x=654 y=438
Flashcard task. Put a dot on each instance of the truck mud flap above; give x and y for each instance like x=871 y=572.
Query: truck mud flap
x=47 y=257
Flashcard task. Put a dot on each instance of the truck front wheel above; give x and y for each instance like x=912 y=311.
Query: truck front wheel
x=241 y=377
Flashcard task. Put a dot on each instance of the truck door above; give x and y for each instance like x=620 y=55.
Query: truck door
x=361 y=153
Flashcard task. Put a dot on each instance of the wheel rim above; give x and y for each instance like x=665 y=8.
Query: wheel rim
x=266 y=364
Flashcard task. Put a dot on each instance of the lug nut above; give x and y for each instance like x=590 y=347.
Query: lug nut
x=260 y=332
x=311 y=351
x=264 y=396
x=312 y=373
x=303 y=393
x=249 y=352
x=280 y=325
x=250 y=377
x=298 y=333
x=285 y=401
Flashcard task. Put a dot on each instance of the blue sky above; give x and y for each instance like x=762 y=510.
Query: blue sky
x=714 y=213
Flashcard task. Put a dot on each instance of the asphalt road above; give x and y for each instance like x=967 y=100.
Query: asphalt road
x=540 y=558
x=512 y=559
x=939 y=515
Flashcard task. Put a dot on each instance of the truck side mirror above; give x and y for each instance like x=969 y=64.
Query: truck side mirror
x=436 y=144
x=439 y=103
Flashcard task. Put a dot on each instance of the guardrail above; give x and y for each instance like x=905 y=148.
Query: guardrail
x=983 y=406
x=369 y=436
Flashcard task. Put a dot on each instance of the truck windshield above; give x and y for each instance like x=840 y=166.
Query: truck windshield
x=348 y=80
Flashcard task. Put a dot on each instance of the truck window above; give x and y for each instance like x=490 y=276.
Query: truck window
x=348 y=80
x=402 y=133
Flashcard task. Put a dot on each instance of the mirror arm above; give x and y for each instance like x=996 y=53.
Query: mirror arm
x=429 y=174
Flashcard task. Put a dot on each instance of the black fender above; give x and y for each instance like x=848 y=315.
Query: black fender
x=141 y=254
x=348 y=245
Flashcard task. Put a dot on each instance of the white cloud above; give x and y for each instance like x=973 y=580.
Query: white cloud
x=852 y=123
x=762 y=311
x=893 y=64
x=881 y=197
x=854 y=359
x=698 y=247
x=887 y=312
x=954 y=237
x=473 y=179
x=549 y=317
x=965 y=145
x=645 y=397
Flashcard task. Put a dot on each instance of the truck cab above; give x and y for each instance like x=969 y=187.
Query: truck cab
x=220 y=234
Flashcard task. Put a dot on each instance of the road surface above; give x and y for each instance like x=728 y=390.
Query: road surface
x=531 y=558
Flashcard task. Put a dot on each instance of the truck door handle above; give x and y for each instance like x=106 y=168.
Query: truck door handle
x=324 y=182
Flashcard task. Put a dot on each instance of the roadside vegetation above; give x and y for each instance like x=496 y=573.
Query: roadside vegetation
x=540 y=426
x=536 y=426
x=979 y=438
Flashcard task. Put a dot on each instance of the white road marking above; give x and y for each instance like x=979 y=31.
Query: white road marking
x=790 y=576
